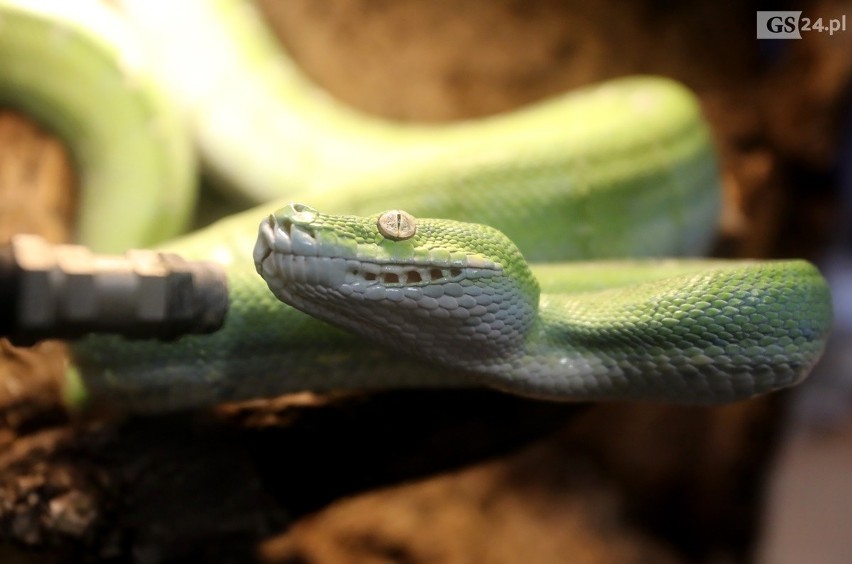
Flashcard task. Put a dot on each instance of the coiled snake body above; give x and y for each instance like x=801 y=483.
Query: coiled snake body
x=623 y=169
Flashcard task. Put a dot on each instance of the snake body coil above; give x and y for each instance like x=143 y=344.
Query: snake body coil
x=623 y=169
x=77 y=68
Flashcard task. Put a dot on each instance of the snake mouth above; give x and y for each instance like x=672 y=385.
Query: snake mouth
x=287 y=252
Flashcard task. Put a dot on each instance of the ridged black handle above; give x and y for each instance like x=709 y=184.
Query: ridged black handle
x=66 y=291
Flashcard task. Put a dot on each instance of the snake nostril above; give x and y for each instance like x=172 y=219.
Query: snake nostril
x=292 y=215
x=279 y=222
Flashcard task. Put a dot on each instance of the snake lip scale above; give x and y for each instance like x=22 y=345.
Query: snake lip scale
x=291 y=250
x=287 y=253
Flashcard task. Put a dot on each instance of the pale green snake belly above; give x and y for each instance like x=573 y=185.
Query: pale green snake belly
x=624 y=169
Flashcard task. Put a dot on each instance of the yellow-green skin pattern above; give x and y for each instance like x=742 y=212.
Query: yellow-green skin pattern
x=623 y=169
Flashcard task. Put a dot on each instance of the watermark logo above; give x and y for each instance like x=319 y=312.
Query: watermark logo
x=791 y=25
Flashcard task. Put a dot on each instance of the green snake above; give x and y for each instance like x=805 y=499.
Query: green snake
x=622 y=169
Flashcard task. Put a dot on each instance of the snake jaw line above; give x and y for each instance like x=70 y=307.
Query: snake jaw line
x=283 y=243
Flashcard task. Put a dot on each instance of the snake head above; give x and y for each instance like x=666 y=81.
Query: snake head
x=447 y=291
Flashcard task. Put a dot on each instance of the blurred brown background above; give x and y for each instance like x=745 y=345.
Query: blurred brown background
x=474 y=477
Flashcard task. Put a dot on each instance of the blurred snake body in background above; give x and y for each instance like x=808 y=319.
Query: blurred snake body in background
x=624 y=169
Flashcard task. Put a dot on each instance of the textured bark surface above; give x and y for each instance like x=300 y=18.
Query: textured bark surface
x=443 y=476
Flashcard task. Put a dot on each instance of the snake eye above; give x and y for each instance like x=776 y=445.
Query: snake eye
x=396 y=225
